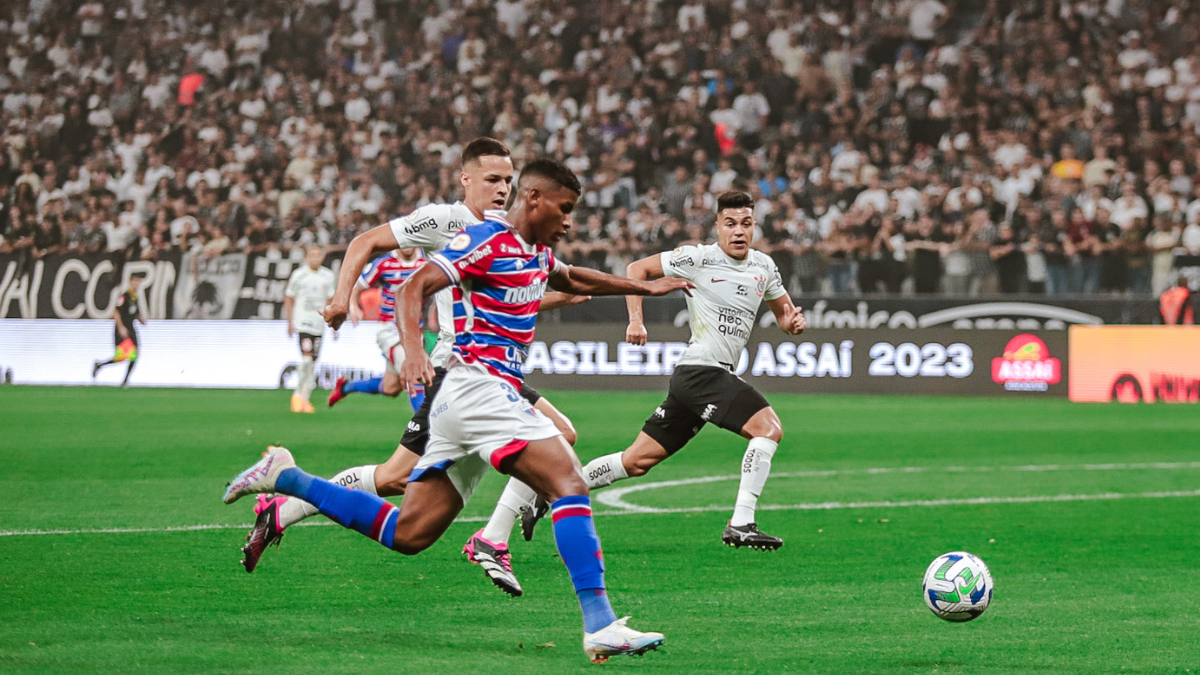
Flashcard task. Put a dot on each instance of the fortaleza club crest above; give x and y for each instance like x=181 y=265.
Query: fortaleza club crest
x=1026 y=365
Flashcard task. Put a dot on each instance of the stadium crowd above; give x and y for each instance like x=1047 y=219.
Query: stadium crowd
x=891 y=146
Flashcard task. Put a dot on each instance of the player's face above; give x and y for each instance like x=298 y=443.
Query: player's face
x=314 y=257
x=135 y=283
x=407 y=253
x=735 y=231
x=487 y=182
x=550 y=212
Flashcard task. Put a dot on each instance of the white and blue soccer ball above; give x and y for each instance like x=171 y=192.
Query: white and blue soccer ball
x=957 y=586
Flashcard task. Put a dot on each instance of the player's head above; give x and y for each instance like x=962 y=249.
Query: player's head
x=487 y=174
x=314 y=256
x=548 y=191
x=735 y=223
x=135 y=282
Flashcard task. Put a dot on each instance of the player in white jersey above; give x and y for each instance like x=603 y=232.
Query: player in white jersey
x=308 y=291
x=731 y=280
x=487 y=179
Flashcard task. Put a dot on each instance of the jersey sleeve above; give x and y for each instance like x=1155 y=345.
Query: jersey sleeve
x=469 y=254
x=682 y=262
x=290 y=291
x=426 y=228
x=775 y=289
x=554 y=266
x=371 y=275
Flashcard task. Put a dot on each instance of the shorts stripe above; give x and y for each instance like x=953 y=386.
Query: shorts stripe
x=511 y=448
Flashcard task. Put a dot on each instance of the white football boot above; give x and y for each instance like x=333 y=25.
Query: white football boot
x=260 y=477
x=616 y=638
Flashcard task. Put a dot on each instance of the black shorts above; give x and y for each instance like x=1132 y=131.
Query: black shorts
x=416 y=432
x=698 y=395
x=310 y=345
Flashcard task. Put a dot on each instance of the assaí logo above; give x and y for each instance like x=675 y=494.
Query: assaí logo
x=1026 y=365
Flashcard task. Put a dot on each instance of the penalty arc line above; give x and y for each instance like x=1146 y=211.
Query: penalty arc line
x=817 y=506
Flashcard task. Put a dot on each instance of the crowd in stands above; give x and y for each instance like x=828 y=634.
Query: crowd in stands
x=891 y=145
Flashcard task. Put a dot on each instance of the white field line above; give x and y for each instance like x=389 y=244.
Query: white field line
x=612 y=498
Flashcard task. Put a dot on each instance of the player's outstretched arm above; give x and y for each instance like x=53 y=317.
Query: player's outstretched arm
x=554 y=300
x=376 y=240
x=789 y=317
x=646 y=268
x=587 y=281
x=426 y=281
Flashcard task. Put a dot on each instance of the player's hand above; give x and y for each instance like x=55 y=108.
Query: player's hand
x=636 y=334
x=356 y=314
x=576 y=299
x=291 y=329
x=665 y=285
x=416 y=370
x=793 y=322
x=335 y=314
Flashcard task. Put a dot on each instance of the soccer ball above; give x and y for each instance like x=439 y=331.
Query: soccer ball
x=957 y=586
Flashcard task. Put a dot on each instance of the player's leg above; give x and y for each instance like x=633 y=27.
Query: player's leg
x=549 y=467
x=517 y=498
x=128 y=349
x=431 y=509
x=118 y=355
x=310 y=347
x=752 y=417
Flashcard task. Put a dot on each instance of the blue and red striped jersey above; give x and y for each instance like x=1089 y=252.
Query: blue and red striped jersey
x=499 y=282
x=389 y=272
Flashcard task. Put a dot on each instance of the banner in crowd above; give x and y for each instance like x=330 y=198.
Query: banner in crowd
x=921 y=361
x=82 y=286
x=261 y=294
x=1134 y=364
x=211 y=353
x=994 y=313
x=208 y=287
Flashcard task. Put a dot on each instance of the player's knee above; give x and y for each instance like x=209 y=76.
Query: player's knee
x=638 y=466
x=569 y=435
x=390 y=483
x=765 y=426
x=570 y=484
x=391 y=388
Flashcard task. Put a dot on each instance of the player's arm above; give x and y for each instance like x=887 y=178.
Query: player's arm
x=356 y=313
x=554 y=300
x=789 y=317
x=646 y=268
x=289 y=303
x=587 y=281
x=410 y=296
x=374 y=241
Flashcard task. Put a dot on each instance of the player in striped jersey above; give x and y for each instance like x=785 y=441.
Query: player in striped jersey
x=487 y=173
x=388 y=272
x=500 y=270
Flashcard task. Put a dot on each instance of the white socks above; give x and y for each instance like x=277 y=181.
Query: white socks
x=756 y=466
x=306 y=382
x=356 y=478
x=604 y=471
x=515 y=497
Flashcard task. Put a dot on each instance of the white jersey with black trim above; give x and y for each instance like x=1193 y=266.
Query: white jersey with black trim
x=725 y=302
x=311 y=290
x=430 y=228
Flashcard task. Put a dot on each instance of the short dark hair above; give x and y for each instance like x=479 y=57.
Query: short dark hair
x=553 y=170
x=734 y=199
x=482 y=147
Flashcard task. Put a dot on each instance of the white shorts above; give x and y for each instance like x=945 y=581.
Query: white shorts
x=475 y=420
x=388 y=338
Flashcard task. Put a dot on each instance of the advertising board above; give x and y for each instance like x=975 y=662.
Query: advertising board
x=1134 y=364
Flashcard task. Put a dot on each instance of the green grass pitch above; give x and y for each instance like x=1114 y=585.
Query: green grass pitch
x=1087 y=515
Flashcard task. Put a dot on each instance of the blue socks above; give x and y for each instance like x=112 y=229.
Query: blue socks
x=371 y=386
x=579 y=547
x=357 y=510
x=417 y=399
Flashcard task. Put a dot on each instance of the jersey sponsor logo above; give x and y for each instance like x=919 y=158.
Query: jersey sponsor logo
x=709 y=261
x=743 y=290
x=505 y=248
x=421 y=226
x=524 y=294
x=459 y=242
x=475 y=256
x=456 y=225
